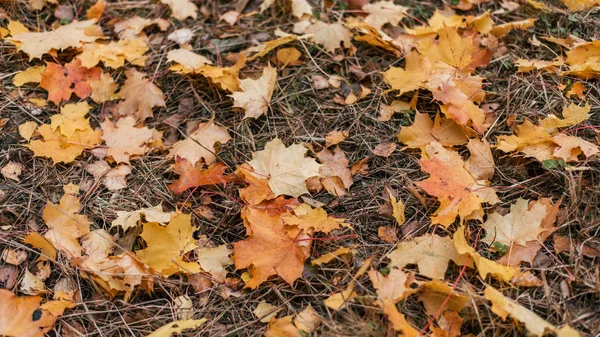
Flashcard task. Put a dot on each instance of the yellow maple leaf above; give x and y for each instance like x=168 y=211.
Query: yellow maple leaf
x=306 y=217
x=227 y=78
x=128 y=220
x=302 y=323
x=579 y=5
x=264 y=48
x=186 y=61
x=66 y=227
x=177 y=327
x=485 y=266
x=503 y=29
x=504 y=307
x=96 y=11
x=167 y=246
x=71 y=119
x=29 y=75
x=430 y=252
x=35 y=240
x=326 y=258
x=60 y=148
x=200 y=144
x=124 y=140
x=286 y=167
x=255 y=95
x=417 y=70
x=134 y=27
x=113 y=54
x=72 y=35
x=392 y=287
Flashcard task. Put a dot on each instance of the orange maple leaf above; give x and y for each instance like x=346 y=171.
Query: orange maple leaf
x=192 y=176
x=61 y=82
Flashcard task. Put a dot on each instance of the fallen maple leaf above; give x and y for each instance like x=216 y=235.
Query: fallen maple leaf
x=424 y=131
x=397 y=208
x=459 y=193
x=22 y=316
x=271 y=248
x=124 y=140
x=96 y=11
x=113 y=178
x=306 y=217
x=287 y=168
x=66 y=227
x=35 y=240
x=213 y=260
x=481 y=162
x=60 y=148
x=300 y=8
x=258 y=188
x=266 y=311
x=227 y=78
x=200 y=144
x=167 y=245
x=186 y=60
x=572 y=115
x=71 y=119
x=128 y=220
x=182 y=9
x=430 y=252
x=29 y=75
x=255 y=95
x=177 y=327
x=113 y=54
x=332 y=36
x=579 y=5
x=139 y=96
x=504 y=307
x=61 y=82
x=521 y=225
x=503 y=29
x=436 y=294
x=191 y=176
x=72 y=35
x=334 y=174
x=328 y=257
x=301 y=324
x=383 y=12
x=103 y=89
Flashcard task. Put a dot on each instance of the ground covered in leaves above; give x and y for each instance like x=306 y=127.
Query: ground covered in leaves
x=300 y=168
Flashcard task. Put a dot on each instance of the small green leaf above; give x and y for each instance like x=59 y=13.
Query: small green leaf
x=384 y=271
x=500 y=247
x=553 y=164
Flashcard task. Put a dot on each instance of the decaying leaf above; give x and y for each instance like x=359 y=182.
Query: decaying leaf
x=200 y=144
x=61 y=82
x=521 y=225
x=177 y=327
x=127 y=220
x=124 y=140
x=22 y=316
x=191 y=176
x=332 y=36
x=139 y=96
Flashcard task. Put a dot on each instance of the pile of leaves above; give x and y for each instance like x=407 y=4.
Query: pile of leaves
x=233 y=169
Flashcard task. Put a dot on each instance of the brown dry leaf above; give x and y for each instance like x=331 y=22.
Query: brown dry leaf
x=384 y=149
x=392 y=287
x=139 y=96
x=536 y=325
x=307 y=218
x=72 y=35
x=434 y=293
x=13 y=256
x=287 y=168
x=387 y=234
x=484 y=266
x=128 y=220
x=328 y=257
x=32 y=284
x=104 y=88
x=255 y=95
x=424 y=131
x=271 y=248
x=526 y=66
x=332 y=36
x=459 y=193
x=29 y=75
x=191 y=176
x=565 y=244
x=335 y=137
x=481 y=162
x=213 y=260
x=521 y=225
x=383 y=12
x=22 y=316
x=301 y=324
x=335 y=175
x=66 y=227
x=430 y=252
x=61 y=82
x=182 y=9
x=124 y=140
x=166 y=246
x=200 y=144
x=12 y=171
x=570 y=147
x=113 y=54
x=27 y=129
